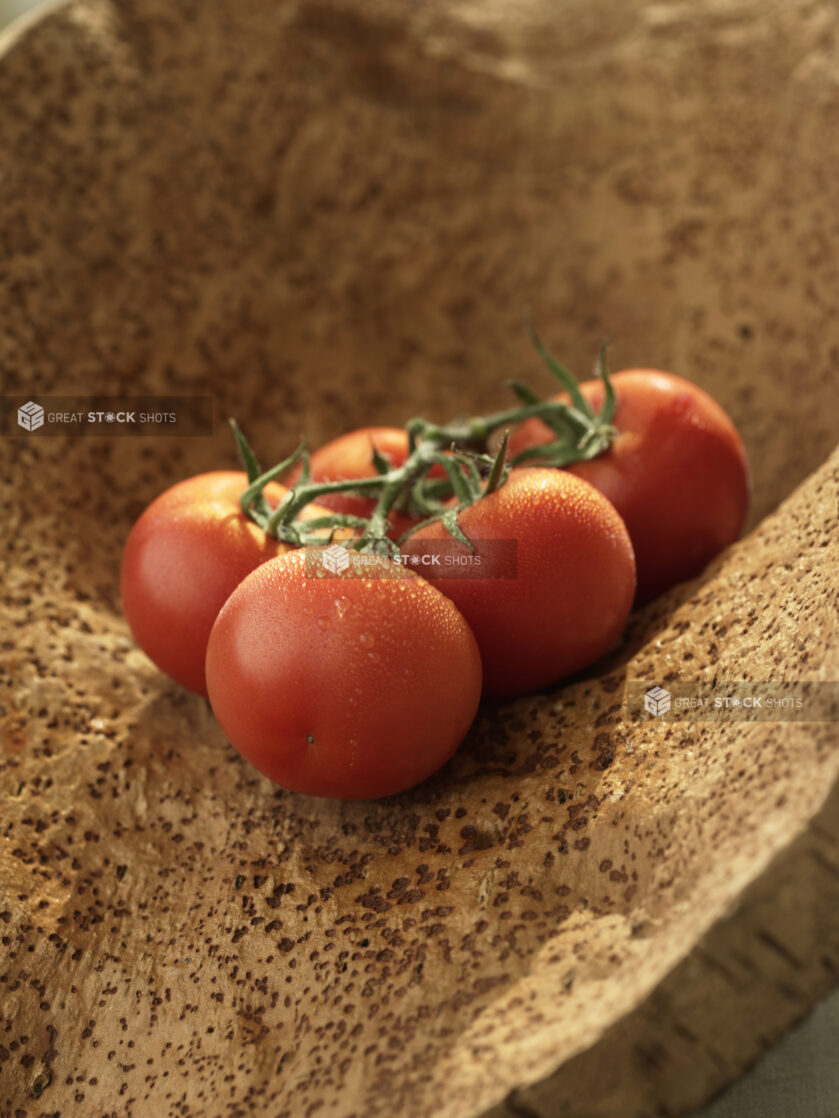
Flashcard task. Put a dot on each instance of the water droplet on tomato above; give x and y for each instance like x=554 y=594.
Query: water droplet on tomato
x=324 y=623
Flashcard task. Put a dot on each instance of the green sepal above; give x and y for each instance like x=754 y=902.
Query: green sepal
x=607 y=413
x=449 y=522
x=460 y=485
x=379 y=461
x=565 y=378
x=252 y=467
x=498 y=472
x=253 y=494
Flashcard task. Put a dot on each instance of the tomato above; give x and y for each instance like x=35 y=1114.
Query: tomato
x=676 y=472
x=185 y=555
x=573 y=586
x=343 y=686
x=350 y=456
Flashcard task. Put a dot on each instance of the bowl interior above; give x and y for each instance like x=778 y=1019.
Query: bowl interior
x=326 y=215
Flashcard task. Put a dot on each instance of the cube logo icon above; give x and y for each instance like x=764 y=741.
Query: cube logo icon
x=335 y=558
x=31 y=416
x=657 y=701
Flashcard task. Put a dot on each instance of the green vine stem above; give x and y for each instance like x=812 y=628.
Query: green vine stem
x=459 y=448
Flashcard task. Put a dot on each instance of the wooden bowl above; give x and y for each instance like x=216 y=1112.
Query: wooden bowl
x=325 y=214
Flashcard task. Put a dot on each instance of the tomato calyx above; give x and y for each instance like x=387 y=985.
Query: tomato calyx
x=580 y=433
x=459 y=449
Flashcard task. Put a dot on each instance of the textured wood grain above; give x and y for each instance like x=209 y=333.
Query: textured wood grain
x=326 y=214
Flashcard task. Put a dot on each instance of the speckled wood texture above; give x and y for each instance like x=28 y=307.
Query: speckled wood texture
x=324 y=214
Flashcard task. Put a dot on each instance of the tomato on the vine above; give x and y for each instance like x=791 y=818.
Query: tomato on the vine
x=676 y=472
x=350 y=686
x=351 y=456
x=567 y=600
x=183 y=558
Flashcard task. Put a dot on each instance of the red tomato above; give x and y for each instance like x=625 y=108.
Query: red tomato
x=573 y=585
x=185 y=555
x=344 y=686
x=350 y=456
x=676 y=472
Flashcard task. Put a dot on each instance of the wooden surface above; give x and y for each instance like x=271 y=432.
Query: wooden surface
x=327 y=214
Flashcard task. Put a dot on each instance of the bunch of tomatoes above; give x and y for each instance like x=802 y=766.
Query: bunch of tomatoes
x=360 y=679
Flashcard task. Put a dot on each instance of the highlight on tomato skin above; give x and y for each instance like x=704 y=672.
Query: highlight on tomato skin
x=573 y=587
x=185 y=555
x=342 y=686
x=676 y=472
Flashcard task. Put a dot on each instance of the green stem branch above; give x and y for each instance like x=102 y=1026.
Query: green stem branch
x=459 y=447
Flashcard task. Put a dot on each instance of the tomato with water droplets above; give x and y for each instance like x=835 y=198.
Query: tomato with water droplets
x=183 y=558
x=676 y=472
x=349 y=686
x=567 y=599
